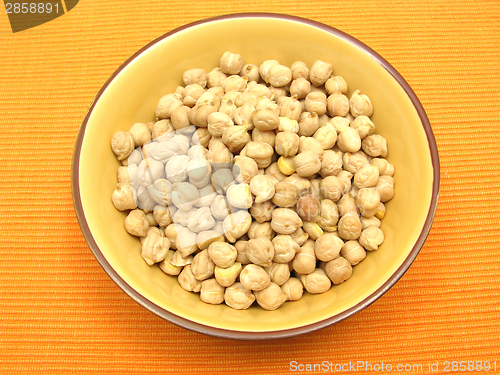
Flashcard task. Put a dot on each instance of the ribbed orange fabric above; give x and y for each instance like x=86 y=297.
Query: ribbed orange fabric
x=60 y=313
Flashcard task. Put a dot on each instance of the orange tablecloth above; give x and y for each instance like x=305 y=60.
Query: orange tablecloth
x=60 y=313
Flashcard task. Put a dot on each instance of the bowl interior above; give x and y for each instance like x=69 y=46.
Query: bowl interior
x=132 y=96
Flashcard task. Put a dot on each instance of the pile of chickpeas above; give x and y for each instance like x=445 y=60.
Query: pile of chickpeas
x=256 y=182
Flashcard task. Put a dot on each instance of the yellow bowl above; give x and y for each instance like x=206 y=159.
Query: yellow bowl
x=131 y=94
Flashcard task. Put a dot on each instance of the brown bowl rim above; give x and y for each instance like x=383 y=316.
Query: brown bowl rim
x=266 y=335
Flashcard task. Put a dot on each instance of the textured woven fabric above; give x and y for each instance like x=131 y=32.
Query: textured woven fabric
x=60 y=313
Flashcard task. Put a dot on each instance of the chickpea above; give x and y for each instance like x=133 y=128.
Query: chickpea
x=218 y=153
x=262 y=212
x=308 y=123
x=260 y=251
x=184 y=195
x=339 y=123
x=154 y=247
x=211 y=292
x=371 y=238
x=329 y=215
x=219 y=208
x=271 y=297
x=231 y=63
x=332 y=187
x=369 y=221
x=187 y=281
x=363 y=125
x=201 y=220
x=227 y=276
x=331 y=163
x=337 y=104
x=305 y=260
x=265 y=66
x=366 y=176
x=124 y=197
x=162 y=130
x=249 y=97
x=288 y=125
x=245 y=169
x=262 y=187
x=222 y=179
x=185 y=241
x=251 y=72
x=307 y=163
x=285 y=248
x=198 y=115
x=316 y=282
x=286 y=166
x=166 y=105
x=171 y=234
x=352 y=162
x=191 y=94
x=320 y=72
x=336 y=84
x=300 y=70
x=310 y=144
x=300 y=87
x=328 y=247
x=211 y=97
x=182 y=217
x=349 y=227
x=380 y=212
x=140 y=134
x=315 y=102
x=347 y=205
x=285 y=194
x=384 y=167
x=222 y=254
x=136 y=223
x=360 y=104
x=267 y=136
x=233 y=83
x=122 y=144
x=236 y=225
x=243 y=116
x=215 y=78
x=375 y=145
x=241 y=247
x=239 y=196
x=254 y=277
x=367 y=201
x=353 y=252
x=348 y=140
x=202 y=138
x=338 y=270
x=299 y=236
x=202 y=266
x=326 y=136
x=238 y=297
x=293 y=289
x=218 y=122
x=163 y=215
x=278 y=75
x=260 y=230
x=195 y=76
x=265 y=119
x=205 y=238
x=291 y=107
x=312 y=229
x=260 y=152
x=279 y=273
x=287 y=143
x=168 y=267
x=308 y=207
x=385 y=187
x=302 y=183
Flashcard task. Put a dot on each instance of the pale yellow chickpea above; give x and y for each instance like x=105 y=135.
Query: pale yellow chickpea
x=168 y=267
x=353 y=252
x=266 y=136
x=331 y=187
x=231 y=63
x=336 y=84
x=261 y=230
x=215 y=78
x=315 y=102
x=262 y=187
x=312 y=229
x=260 y=251
x=124 y=197
x=285 y=221
x=265 y=66
x=222 y=254
x=384 y=167
x=326 y=136
x=136 y=223
x=349 y=227
x=300 y=87
x=360 y=104
x=363 y=125
x=347 y=205
x=302 y=183
x=262 y=212
x=227 y=276
x=328 y=216
x=191 y=94
x=234 y=83
x=155 y=247
x=291 y=107
x=235 y=138
x=285 y=248
x=241 y=248
x=211 y=292
x=287 y=143
x=367 y=201
x=244 y=169
x=238 y=297
x=285 y=194
x=202 y=266
x=122 y=144
x=328 y=247
x=218 y=122
x=305 y=260
x=348 y=140
x=338 y=270
x=375 y=145
x=293 y=288
x=260 y=152
x=337 y=104
x=366 y=176
x=307 y=163
x=316 y=282
x=198 y=115
x=239 y=196
x=299 y=70
x=308 y=124
x=278 y=75
x=299 y=236
x=331 y=163
x=250 y=71
x=352 y=162
x=385 y=186
x=288 y=125
x=371 y=238
x=271 y=297
x=279 y=273
x=320 y=72
x=195 y=76
x=370 y=221
x=254 y=277
x=166 y=105
x=205 y=238
x=236 y=225
x=140 y=134
x=187 y=281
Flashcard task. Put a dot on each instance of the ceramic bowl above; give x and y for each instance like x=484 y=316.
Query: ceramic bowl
x=130 y=95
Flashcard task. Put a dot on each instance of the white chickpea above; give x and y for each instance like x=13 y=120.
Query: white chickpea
x=187 y=281
x=184 y=195
x=185 y=242
x=320 y=72
x=316 y=282
x=201 y=220
x=238 y=297
x=271 y=297
x=236 y=225
x=360 y=104
x=211 y=292
x=338 y=270
x=239 y=196
x=353 y=252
